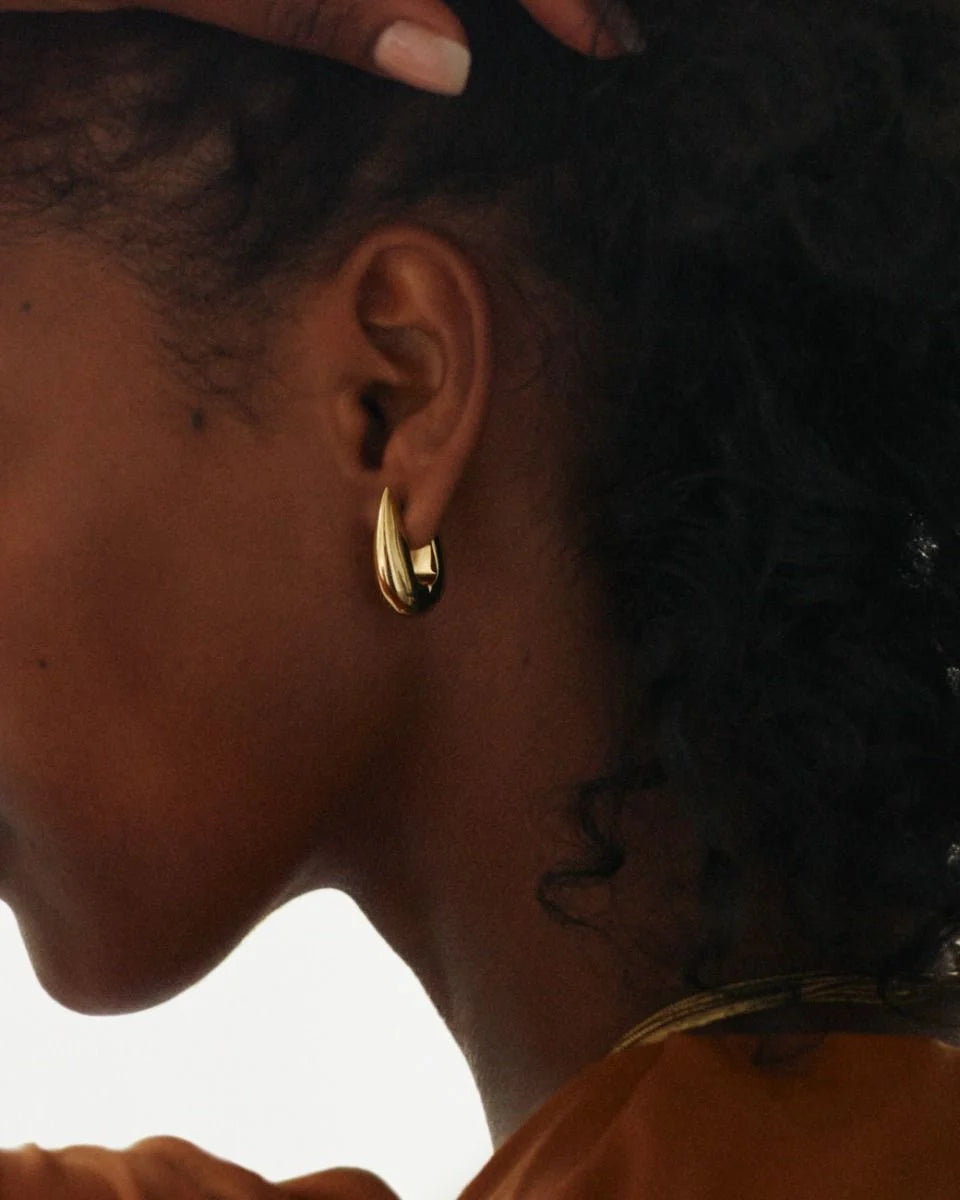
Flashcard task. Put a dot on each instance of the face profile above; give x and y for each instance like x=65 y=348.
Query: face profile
x=495 y=506
x=176 y=596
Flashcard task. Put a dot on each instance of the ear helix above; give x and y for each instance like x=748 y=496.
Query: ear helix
x=411 y=582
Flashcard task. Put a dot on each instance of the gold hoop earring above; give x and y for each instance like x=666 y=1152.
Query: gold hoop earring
x=411 y=581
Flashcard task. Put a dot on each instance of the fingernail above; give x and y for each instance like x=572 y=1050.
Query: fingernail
x=424 y=59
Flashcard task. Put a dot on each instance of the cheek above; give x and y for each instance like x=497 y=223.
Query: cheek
x=173 y=765
x=128 y=893
x=174 y=713
x=181 y=718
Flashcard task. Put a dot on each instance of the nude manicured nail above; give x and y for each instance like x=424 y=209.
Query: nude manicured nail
x=424 y=59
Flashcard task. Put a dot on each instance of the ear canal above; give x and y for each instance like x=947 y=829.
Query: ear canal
x=410 y=582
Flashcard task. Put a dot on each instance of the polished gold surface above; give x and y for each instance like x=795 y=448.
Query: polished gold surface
x=410 y=581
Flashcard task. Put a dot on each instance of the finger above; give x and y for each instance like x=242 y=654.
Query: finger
x=348 y=30
x=342 y=1183
x=604 y=28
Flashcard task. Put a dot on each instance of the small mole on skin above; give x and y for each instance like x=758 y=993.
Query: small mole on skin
x=42 y=662
x=26 y=307
x=199 y=419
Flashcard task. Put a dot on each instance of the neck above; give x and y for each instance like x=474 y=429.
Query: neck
x=446 y=844
x=453 y=855
x=529 y=1001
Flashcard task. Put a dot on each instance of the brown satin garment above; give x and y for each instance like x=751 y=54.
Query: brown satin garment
x=841 y=1116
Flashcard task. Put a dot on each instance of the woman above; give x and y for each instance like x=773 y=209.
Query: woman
x=533 y=513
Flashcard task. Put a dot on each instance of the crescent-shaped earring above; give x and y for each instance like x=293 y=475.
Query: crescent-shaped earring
x=411 y=581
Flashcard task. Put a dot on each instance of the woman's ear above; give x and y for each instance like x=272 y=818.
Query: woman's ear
x=405 y=331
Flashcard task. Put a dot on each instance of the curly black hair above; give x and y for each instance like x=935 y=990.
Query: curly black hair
x=757 y=225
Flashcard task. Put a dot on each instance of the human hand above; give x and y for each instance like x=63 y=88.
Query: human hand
x=427 y=49
x=342 y=1183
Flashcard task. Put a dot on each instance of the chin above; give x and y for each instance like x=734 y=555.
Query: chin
x=99 y=998
x=104 y=994
x=88 y=981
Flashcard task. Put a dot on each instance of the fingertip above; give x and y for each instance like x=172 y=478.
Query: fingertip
x=422 y=58
x=598 y=28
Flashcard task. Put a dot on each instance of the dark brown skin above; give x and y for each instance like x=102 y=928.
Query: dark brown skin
x=207 y=708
